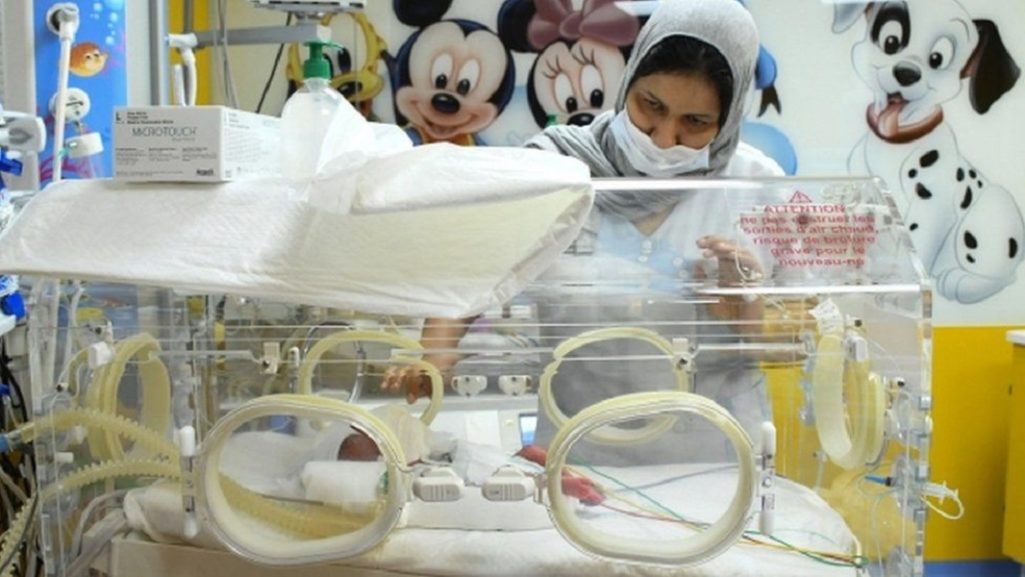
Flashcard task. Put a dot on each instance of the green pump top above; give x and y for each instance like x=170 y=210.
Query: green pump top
x=316 y=65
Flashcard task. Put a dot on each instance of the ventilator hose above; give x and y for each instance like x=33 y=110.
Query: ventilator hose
x=14 y=536
x=315 y=521
x=107 y=470
x=108 y=422
x=102 y=394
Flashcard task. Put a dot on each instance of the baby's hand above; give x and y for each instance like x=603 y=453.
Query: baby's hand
x=413 y=380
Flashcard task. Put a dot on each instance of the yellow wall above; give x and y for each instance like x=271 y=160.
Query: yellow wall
x=201 y=17
x=1014 y=513
x=971 y=380
x=972 y=372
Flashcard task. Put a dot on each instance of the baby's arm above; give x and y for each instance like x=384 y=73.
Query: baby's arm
x=438 y=334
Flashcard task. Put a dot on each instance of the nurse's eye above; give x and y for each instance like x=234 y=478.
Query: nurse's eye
x=654 y=105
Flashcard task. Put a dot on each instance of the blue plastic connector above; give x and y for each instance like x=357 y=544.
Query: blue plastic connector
x=13 y=305
x=9 y=165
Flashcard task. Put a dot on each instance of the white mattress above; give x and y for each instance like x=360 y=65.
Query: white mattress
x=803 y=519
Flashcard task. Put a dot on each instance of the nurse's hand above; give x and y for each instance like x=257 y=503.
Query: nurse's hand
x=413 y=381
x=737 y=267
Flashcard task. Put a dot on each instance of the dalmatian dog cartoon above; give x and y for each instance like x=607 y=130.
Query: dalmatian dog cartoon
x=915 y=57
x=581 y=55
x=452 y=77
x=986 y=244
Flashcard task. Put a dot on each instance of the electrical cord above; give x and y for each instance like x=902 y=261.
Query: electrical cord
x=749 y=537
x=273 y=69
x=229 y=80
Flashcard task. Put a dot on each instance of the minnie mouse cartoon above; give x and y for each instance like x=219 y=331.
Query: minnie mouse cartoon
x=581 y=55
x=452 y=78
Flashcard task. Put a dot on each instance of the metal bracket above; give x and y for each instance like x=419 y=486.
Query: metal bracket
x=297 y=34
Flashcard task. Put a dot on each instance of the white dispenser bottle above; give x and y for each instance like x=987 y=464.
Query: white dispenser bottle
x=308 y=114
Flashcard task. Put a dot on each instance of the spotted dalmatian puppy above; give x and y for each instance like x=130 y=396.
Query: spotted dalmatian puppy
x=982 y=254
x=915 y=56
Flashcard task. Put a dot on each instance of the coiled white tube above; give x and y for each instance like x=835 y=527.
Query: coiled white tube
x=862 y=443
x=708 y=543
x=611 y=435
x=332 y=340
x=345 y=538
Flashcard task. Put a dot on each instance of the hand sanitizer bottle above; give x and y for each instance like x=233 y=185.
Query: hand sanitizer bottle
x=308 y=114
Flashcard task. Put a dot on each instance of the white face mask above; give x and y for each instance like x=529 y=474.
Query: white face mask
x=647 y=157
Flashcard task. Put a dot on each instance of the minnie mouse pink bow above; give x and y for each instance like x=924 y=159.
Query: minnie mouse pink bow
x=598 y=19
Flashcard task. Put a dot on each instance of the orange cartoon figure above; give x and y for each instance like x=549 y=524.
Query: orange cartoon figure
x=87 y=59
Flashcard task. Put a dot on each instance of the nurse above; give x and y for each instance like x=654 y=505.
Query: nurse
x=678 y=113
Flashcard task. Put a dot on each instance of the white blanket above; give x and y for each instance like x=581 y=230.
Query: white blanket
x=803 y=519
x=432 y=231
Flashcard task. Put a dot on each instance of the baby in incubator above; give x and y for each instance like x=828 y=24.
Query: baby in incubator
x=473 y=462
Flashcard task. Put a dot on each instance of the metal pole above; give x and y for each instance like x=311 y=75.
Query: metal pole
x=158 y=52
x=188 y=16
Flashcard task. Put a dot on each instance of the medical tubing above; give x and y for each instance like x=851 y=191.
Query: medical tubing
x=103 y=470
x=76 y=298
x=102 y=394
x=15 y=535
x=178 y=82
x=110 y=423
x=220 y=497
x=69 y=375
x=312 y=357
x=611 y=435
x=315 y=521
x=60 y=114
x=863 y=444
x=188 y=58
x=715 y=539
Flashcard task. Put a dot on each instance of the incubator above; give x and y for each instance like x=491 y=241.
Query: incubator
x=754 y=402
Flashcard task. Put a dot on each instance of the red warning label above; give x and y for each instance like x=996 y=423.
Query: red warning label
x=804 y=234
x=799 y=197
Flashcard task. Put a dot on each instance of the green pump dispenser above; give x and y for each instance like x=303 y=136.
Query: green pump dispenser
x=316 y=65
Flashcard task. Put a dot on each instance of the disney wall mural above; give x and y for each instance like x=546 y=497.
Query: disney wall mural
x=919 y=93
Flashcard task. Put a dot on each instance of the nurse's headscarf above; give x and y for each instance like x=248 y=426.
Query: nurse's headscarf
x=725 y=25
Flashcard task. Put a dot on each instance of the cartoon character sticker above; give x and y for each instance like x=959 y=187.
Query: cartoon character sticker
x=354 y=66
x=451 y=78
x=967 y=230
x=763 y=136
x=87 y=59
x=581 y=55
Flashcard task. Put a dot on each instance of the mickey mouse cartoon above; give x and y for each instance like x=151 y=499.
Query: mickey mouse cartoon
x=452 y=77
x=581 y=54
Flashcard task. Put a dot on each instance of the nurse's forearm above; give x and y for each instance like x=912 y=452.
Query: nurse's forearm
x=443 y=335
x=748 y=315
